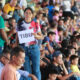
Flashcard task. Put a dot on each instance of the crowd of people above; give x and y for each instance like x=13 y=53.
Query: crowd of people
x=39 y=40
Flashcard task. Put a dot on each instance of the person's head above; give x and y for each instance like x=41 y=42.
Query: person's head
x=78 y=39
x=65 y=43
x=60 y=22
x=67 y=53
x=56 y=13
x=66 y=21
x=60 y=31
x=12 y=22
x=52 y=74
x=45 y=2
x=74 y=44
x=17 y=56
x=53 y=25
x=72 y=50
x=74 y=59
x=5 y=56
x=28 y=13
x=51 y=35
x=13 y=3
x=44 y=26
x=57 y=57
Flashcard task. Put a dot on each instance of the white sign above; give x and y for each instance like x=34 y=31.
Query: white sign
x=26 y=36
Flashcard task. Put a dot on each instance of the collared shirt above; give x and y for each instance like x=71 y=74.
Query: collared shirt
x=1 y=67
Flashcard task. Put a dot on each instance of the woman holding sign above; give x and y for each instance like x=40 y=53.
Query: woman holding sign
x=28 y=34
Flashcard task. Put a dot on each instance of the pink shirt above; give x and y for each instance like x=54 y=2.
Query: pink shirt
x=8 y=73
x=57 y=36
x=56 y=18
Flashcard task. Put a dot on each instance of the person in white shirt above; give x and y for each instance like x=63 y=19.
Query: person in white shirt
x=22 y=4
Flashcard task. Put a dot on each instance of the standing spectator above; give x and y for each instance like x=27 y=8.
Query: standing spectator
x=67 y=4
x=31 y=48
x=3 y=36
x=9 y=8
x=23 y=5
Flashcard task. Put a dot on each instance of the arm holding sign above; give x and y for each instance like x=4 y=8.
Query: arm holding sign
x=38 y=35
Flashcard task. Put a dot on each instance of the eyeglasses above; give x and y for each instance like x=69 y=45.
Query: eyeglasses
x=7 y=58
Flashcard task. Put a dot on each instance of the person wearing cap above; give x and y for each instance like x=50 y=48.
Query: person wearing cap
x=58 y=65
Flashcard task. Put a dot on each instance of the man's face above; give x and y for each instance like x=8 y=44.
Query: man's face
x=59 y=59
x=5 y=59
x=52 y=37
x=19 y=60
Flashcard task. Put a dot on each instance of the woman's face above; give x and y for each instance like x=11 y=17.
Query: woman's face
x=28 y=14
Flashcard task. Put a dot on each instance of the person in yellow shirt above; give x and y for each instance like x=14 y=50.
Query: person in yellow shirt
x=9 y=8
x=74 y=64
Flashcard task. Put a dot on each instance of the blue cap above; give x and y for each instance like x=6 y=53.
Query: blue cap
x=56 y=53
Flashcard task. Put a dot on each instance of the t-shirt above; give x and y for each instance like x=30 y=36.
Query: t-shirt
x=2 y=26
x=29 y=26
x=8 y=73
x=57 y=68
x=50 y=11
x=46 y=40
x=23 y=3
x=8 y=9
x=74 y=68
x=67 y=5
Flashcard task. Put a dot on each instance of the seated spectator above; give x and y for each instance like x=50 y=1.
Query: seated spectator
x=49 y=41
x=56 y=16
x=58 y=65
x=4 y=59
x=67 y=55
x=52 y=74
x=74 y=64
x=53 y=27
x=12 y=74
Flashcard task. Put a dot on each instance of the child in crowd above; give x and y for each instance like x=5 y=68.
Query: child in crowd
x=74 y=65
x=52 y=75
x=56 y=16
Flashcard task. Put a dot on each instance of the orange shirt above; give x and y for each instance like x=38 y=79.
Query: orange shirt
x=8 y=73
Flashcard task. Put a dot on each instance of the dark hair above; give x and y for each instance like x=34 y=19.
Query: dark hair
x=55 y=12
x=28 y=8
x=60 y=29
x=65 y=43
x=52 y=33
x=4 y=52
x=52 y=70
x=10 y=20
x=67 y=53
x=73 y=57
x=75 y=32
x=15 y=51
x=53 y=24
